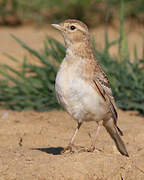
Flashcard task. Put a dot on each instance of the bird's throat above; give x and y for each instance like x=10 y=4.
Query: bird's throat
x=82 y=50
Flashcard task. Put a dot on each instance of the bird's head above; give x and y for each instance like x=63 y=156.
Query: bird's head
x=73 y=31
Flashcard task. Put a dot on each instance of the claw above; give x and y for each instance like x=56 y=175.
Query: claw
x=68 y=148
x=71 y=149
x=79 y=149
x=86 y=149
x=91 y=149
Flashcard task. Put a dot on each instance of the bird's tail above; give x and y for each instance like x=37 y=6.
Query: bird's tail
x=112 y=130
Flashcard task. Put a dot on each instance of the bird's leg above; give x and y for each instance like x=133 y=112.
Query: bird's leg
x=71 y=144
x=93 y=146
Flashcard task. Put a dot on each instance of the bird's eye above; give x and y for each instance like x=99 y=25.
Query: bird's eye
x=72 y=27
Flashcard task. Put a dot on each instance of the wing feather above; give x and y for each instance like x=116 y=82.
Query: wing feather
x=103 y=86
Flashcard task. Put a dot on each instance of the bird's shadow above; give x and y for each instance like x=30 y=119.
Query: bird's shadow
x=50 y=150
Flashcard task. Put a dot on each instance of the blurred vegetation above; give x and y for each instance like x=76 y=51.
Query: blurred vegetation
x=32 y=86
x=14 y=12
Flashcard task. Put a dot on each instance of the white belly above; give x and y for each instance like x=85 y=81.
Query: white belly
x=78 y=97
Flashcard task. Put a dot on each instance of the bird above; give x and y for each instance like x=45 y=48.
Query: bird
x=82 y=88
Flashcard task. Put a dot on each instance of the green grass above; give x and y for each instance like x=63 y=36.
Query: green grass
x=126 y=79
x=32 y=86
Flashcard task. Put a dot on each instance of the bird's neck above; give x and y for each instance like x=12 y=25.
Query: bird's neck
x=83 y=50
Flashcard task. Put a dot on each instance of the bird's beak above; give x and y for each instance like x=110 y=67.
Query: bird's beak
x=58 y=26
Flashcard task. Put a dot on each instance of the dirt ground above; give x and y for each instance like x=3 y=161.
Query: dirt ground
x=30 y=142
x=30 y=145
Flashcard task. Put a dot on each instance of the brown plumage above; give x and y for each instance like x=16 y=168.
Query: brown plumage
x=82 y=87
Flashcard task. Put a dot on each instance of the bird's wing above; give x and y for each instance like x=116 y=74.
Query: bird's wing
x=102 y=84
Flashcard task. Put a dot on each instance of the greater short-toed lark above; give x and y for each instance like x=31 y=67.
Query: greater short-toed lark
x=82 y=88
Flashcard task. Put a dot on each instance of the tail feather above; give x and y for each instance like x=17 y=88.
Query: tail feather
x=120 y=132
x=112 y=130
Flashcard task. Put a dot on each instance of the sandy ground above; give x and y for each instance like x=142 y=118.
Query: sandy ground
x=30 y=142
x=30 y=145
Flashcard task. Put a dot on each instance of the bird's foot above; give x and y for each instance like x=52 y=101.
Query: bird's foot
x=90 y=149
x=70 y=149
x=67 y=149
x=87 y=149
x=79 y=149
